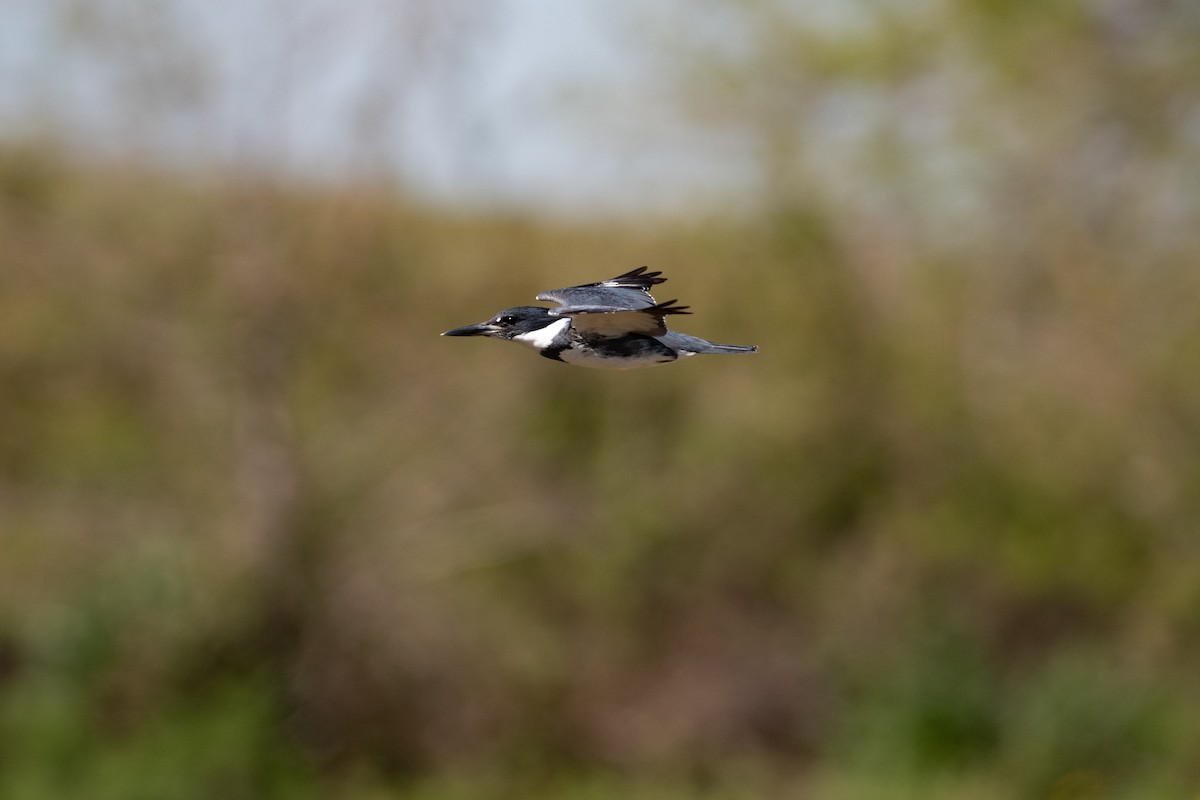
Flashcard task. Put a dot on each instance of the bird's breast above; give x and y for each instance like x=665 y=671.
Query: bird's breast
x=626 y=352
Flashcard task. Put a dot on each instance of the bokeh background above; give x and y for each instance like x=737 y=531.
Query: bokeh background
x=264 y=535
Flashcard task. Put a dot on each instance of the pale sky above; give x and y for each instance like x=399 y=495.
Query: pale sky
x=511 y=102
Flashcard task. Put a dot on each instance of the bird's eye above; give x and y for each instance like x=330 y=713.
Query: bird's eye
x=507 y=319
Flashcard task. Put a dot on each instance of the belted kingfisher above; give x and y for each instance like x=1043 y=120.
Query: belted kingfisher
x=613 y=324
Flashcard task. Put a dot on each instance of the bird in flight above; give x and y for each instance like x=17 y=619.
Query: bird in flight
x=613 y=324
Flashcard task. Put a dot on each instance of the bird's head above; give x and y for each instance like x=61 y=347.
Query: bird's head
x=510 y=323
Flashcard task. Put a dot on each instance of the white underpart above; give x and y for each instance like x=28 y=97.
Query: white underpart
x=545 y=337
x=587 y=359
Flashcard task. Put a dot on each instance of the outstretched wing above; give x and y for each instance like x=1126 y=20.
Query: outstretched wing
x=608 y=322
x=624 y=292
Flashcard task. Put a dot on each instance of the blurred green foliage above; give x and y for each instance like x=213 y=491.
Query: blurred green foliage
x=266 y=535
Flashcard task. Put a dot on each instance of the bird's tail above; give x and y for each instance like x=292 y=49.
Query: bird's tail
x=730 y=348
x=694 y=344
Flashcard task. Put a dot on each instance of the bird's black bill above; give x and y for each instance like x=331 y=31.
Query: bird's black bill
x=482 y=329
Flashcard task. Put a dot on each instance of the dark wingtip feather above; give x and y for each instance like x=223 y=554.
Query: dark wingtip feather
x=638 y=279
x=668 y=308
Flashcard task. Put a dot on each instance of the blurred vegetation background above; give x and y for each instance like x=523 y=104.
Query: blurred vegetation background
x=264 y=535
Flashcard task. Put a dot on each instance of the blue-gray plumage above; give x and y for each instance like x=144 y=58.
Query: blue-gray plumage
x=614 y=324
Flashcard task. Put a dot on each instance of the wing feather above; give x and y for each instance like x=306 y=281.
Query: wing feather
x=607 y=322
x=626 y=292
